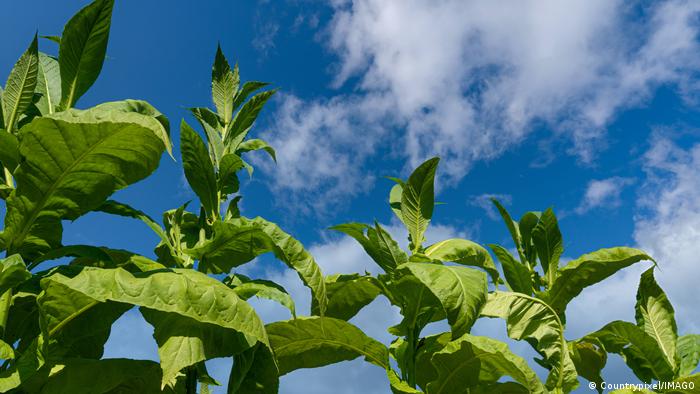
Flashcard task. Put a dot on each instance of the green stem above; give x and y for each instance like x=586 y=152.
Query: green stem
x=191 y=380
x=412 y=340
x=8 y=178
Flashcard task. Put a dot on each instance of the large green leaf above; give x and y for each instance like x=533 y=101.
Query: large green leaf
x=292 y=253
x=199 y=170
x=254 y=371
x=248 y=88
x=517 y=274
x=245 y=288
x=418 y=200
x=48 y=84
x=418 y=304
x=348 y=294
x=395 y=200
x=184 y=341
x=228 y=182
x=19 y=88
x=9 y=150
x=73 y=161
x=472 y=361
x=654 y=313
x=101 y=376
x=12 y=272
x=231 y=245
x=549 y=244
x=587 y=270
x=318 y=341
x=464 y=252
x=377 y=243
x=526 y=224
x=184 y=292
x=210 y=122
x=461 y=291
x=688 y=353
x=224 y=85
x=640 y=351
x=531 y=319
x=82 y=50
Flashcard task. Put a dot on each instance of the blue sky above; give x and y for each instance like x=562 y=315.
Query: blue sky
x=589 y=107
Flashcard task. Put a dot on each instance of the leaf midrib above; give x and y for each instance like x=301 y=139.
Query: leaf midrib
x=332 y=342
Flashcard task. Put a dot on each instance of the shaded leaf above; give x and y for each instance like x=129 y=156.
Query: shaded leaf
x=317 y=341
x=549 y=244
x=516 y=273
x=199 y=170
x=19 y=88
x=48 y=84
x=347 y=295
x=463 y=252
x=417 y=201
x=256 y=144
x=245 y=288
x=654 y=314
x=688 y=353
x=244 y=119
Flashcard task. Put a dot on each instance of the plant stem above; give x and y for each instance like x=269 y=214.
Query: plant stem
x=191 y=380
x=5 y=304
x=8 y=178
x=411 y=362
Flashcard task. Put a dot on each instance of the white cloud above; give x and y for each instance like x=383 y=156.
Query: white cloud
x=603 y=193
x=483 y=201
x=468 y=80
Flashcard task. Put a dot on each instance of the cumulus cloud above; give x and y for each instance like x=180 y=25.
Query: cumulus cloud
x=603 y=193
x=468 y=80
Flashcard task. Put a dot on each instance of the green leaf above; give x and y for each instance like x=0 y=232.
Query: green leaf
x=224 y=85
x=472 y=361
x=587 y=270
x=527 y=223
x=241 y=124
x=153 y=120
x=121 y=209
x=417 y=303
x=292 y=252
x=377 y=243
x=254 y=371
x=640 y=351
x=460 y=290
x=19 y=88
x=549 y=244
x=256 y=144
x=86 y=251
x=513 y=228
x=9 y=150
x=688 y=353
x=73 y=161
x=12 y=272
x=6 y=351
x=102 y=376
x=228 y=180
x=248 y=88
x=245 y=288
x=395 y=196
x=184 y=341
x=211 y=123
x=531 y=319
x=417 y=201
x=231 y=245
x=654 y=314
x=517 y=274
x=199 y=170
x=184 y=292
x=348 y=294
x=82 y=50
x=463 y=252
x=590 y=359
x=48 y=84
x=318 y=341
x=684 y=385
x=398 y=386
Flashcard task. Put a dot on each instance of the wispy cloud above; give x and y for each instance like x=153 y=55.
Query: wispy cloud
x=603 y=193
x=484 y=202
x=478 y=82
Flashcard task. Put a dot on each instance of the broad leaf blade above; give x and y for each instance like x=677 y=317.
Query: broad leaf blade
x=73 y=161
x=19 y=88
x=224 y=85
x=587 y=270
x=347 y=295
x=82 y=50
x=472 y=361
x=257 y=144
x=548 y=242
x=199 y=170
x=531 y=319
x=654 y=313
x=245 y=288
x=48 y=84
x=318 y=341
x=516 y=273
x=418 y=200
x=461 y=291
x=688 y=353
x=241 y=124
x=463 y=252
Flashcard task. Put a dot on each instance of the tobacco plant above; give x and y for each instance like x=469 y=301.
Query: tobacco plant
x=60 y=163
